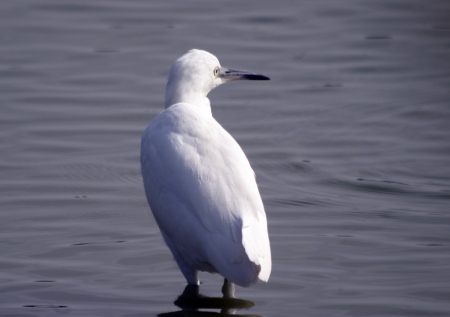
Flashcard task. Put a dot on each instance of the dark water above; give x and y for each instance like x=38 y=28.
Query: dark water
x=350 y=142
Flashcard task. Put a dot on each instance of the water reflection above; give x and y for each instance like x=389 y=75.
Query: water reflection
x=192 y=302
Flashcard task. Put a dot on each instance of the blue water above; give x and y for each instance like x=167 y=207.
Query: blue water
x=350 y=142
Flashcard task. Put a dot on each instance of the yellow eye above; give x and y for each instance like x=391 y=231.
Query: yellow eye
x=216 y=71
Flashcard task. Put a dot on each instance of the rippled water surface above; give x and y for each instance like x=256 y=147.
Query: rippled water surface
x=350 y=142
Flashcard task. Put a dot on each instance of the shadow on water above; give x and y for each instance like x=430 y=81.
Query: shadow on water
x=191 y=302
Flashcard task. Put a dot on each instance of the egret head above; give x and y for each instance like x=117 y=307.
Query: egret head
x=196 y=73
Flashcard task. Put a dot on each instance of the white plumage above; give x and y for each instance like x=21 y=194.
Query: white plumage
x=199 y=183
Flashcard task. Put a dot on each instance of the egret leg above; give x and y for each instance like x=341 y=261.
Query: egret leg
x=228 y=289
x=190 y=291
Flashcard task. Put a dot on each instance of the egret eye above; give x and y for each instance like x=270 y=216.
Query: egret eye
x=216 y=71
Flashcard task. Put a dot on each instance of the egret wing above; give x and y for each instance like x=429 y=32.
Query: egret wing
x=204 y=196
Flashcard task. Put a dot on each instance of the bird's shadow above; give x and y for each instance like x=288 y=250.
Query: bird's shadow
x=191 y=302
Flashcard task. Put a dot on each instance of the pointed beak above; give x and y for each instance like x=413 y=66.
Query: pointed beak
x=231 y=74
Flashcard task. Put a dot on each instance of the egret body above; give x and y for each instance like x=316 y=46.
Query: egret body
x=199 y=183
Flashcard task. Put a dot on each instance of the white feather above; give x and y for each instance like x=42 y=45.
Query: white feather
x=200 y=185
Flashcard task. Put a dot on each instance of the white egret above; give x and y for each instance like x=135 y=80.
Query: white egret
x=199 y=183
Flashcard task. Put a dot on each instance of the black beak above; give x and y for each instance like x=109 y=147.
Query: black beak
x=231 y=74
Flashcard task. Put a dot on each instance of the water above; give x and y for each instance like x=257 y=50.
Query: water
x=349 y=141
